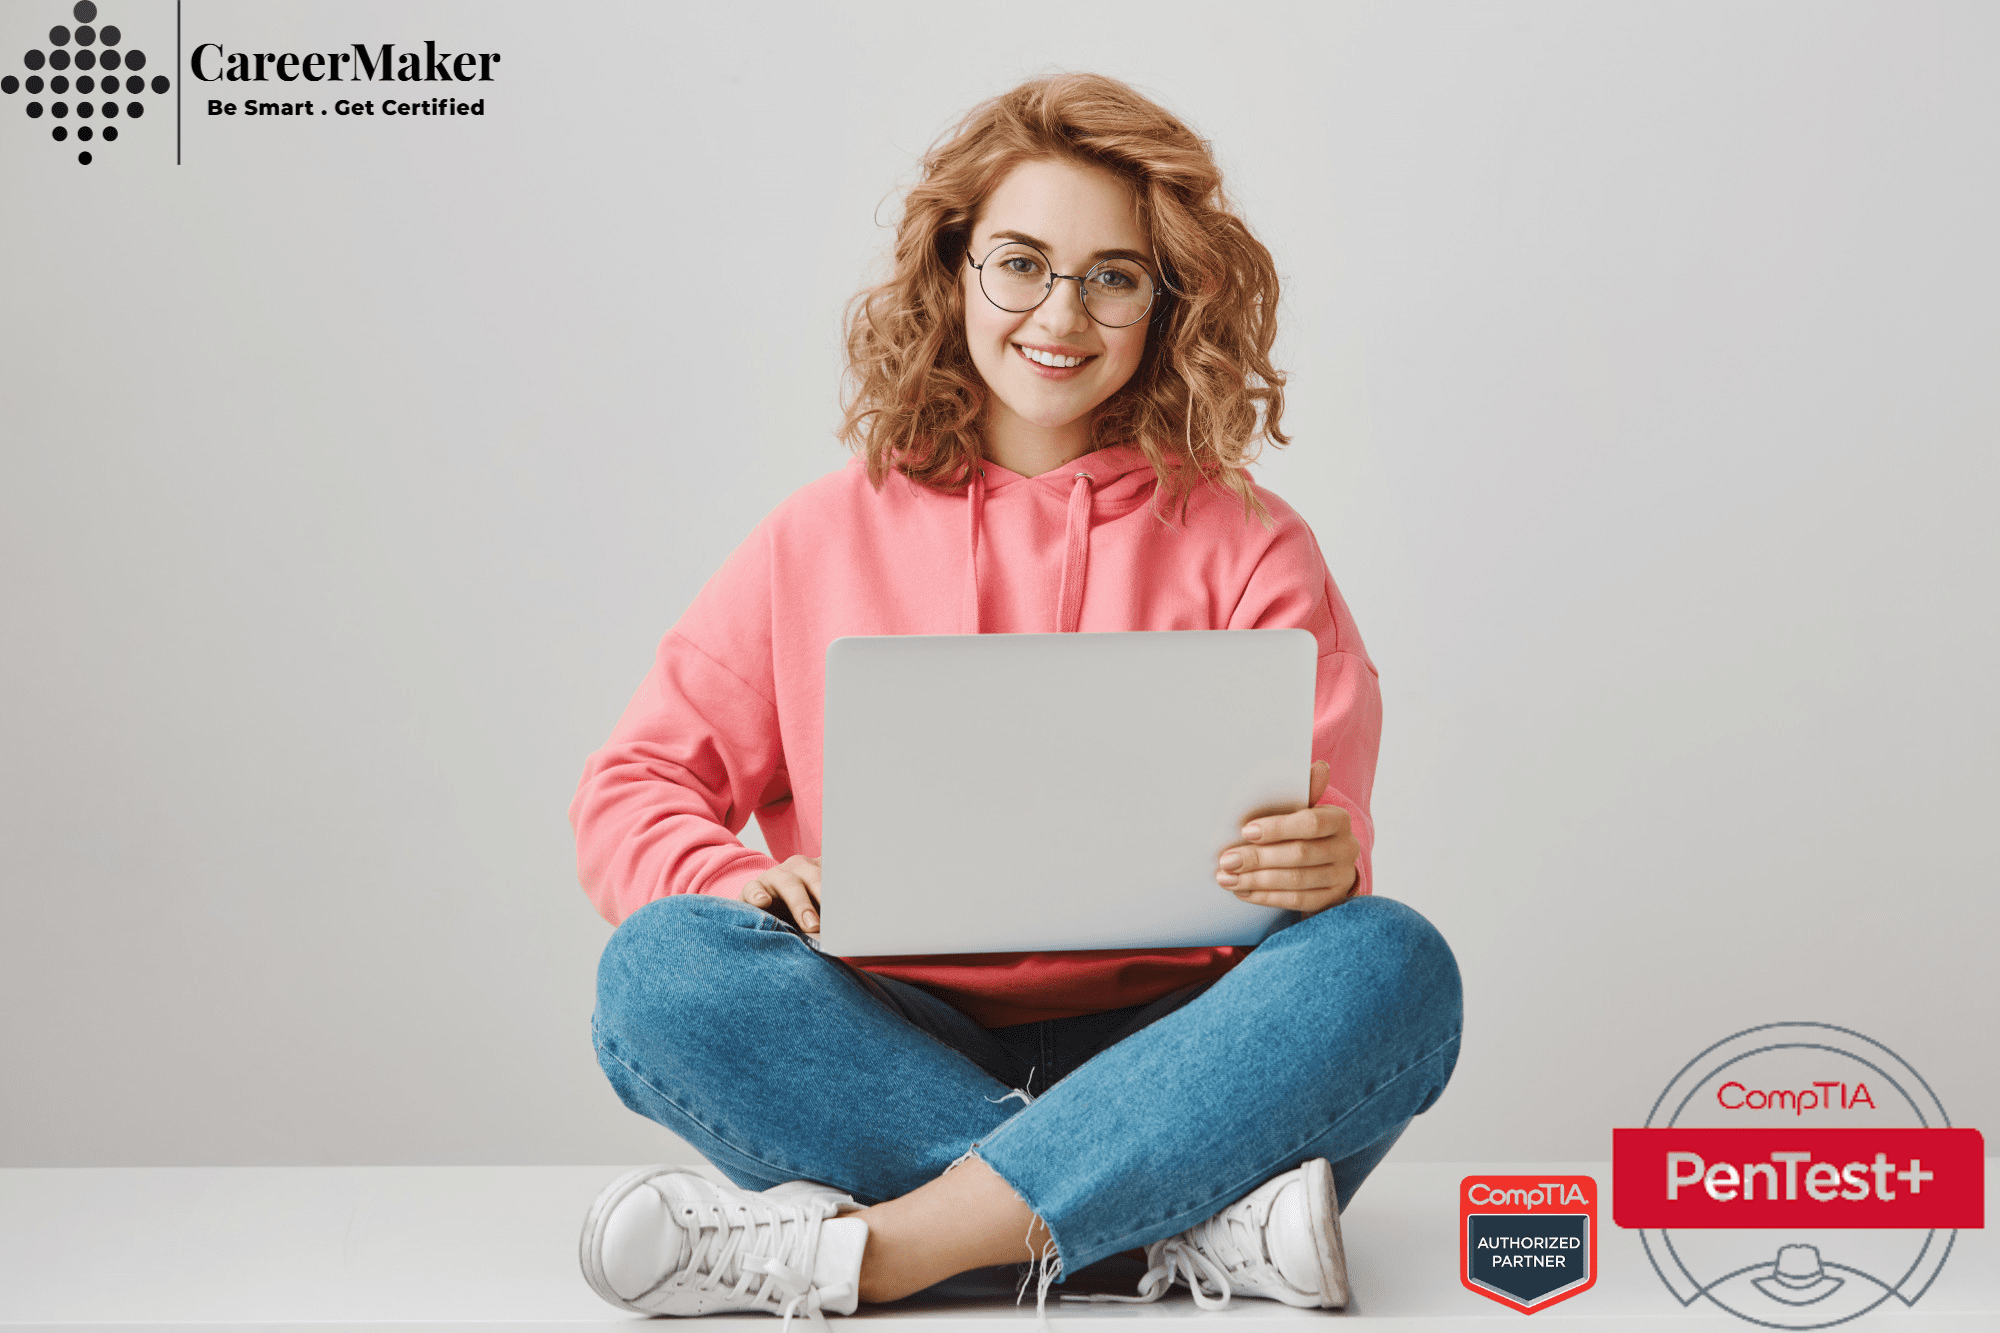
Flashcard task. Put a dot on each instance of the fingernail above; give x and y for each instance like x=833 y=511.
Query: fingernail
x=1226 y=881
x=812 y=920
x=758 y=897
x=1232 y=860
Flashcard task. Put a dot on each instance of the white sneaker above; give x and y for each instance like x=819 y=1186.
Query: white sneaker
x=792 y=1191
x=662 y=1240
x=1281 y=1241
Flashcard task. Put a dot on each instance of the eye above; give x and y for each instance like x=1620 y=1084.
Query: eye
x=1119 y=278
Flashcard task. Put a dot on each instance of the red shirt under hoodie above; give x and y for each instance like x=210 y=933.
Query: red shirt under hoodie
x=728 y=722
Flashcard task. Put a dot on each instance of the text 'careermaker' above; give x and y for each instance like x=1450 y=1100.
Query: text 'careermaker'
x=211 y=61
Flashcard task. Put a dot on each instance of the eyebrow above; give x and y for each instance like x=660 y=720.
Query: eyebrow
x=1045 y=247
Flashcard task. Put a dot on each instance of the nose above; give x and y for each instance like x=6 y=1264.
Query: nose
x=1062 y=311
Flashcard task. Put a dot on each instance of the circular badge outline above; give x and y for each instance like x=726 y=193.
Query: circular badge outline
x=1930 y=1237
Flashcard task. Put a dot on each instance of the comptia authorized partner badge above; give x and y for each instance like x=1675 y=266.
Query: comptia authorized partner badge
x=1527 y=1241
x=1798 y=1175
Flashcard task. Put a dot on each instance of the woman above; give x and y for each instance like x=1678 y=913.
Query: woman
x=1054 y=400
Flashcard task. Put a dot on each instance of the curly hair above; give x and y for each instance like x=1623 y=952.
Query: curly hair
x=1205 y=390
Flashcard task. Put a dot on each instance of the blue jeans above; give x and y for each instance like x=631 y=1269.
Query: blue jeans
x=777 y=1063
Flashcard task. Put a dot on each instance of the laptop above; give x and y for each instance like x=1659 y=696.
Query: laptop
x=1002 y=793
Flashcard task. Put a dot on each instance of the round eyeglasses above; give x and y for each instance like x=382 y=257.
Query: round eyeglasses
x=1017 y=277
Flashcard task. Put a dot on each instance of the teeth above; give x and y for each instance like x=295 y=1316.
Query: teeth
x=1050 y=358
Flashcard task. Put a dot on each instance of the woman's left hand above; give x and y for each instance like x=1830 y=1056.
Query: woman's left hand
x=1303 y=861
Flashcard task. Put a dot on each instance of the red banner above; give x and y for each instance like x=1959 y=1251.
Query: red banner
x=1778 y=1177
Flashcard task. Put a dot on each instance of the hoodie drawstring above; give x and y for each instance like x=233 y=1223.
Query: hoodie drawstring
x=1076 y=556
x=1076 y=552
x=975 y=505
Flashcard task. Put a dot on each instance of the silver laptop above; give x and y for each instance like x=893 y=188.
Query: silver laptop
x=998 y=793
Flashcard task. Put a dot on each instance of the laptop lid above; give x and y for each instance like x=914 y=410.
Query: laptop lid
x=998 y=793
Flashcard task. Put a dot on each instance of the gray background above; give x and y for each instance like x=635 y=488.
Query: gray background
x=1645 y=407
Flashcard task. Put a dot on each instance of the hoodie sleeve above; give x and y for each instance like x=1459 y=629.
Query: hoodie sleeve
x=696 y=752
x=1290 y=588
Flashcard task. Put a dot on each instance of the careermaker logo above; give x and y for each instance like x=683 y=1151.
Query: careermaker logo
x=212 y=61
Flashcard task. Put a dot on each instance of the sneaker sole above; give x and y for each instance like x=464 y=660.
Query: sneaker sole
x=590 y=1247
x=1323 y=1209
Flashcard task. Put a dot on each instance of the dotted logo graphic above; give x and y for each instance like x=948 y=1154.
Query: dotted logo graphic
x=105 y=69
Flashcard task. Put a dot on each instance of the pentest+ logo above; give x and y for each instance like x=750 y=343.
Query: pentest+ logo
x=1798 y=1175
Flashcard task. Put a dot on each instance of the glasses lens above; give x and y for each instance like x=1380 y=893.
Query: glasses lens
x=1118 y=292
x=1015 y=276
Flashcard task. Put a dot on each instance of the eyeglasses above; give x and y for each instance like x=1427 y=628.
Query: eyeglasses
x=1017 y=277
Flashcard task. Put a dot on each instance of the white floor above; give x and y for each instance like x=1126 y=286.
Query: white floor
x=441 y=1249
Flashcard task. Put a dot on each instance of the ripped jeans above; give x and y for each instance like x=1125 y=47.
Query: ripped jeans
x=778 y=1064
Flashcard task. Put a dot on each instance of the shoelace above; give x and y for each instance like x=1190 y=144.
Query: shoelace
x=1177 y=1258
x=1203 y=1256
x=774 y=1241
x=799 y=1292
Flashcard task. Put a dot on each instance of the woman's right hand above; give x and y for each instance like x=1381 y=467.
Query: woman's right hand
x=795 y=883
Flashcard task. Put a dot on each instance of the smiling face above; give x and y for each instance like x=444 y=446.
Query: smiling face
x=1049 y=368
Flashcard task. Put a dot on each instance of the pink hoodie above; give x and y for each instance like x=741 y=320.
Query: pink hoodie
x=728 y=722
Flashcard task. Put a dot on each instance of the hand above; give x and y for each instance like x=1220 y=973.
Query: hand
x=796 y=884
x=1303 y=861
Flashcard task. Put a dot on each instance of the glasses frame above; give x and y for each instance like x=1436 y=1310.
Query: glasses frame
x=1082 y=292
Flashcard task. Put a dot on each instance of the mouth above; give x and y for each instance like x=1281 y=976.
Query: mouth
x=1051 y=363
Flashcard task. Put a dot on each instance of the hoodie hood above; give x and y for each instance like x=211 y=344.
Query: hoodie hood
x=1104 y=484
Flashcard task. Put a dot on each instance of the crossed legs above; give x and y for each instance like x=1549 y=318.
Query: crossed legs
x=778 y=1064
